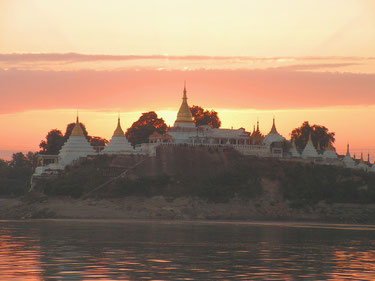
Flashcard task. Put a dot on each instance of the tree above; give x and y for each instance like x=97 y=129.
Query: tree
x=146 y=124
x=53 y=142
x=319 y=135
x=21 y=166
x=98 y=141
x=205 y=117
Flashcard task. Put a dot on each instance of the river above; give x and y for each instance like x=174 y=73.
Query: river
x=151 y=250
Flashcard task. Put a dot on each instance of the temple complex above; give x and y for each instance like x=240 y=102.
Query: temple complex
x=185 y=132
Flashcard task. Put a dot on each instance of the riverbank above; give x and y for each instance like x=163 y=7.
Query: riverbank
x=160 y=208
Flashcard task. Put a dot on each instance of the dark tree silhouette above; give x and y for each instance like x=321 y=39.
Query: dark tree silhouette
x=205 y=117
x=53 y=142
x=98 y=141
x=319 y=135
x=146 y=124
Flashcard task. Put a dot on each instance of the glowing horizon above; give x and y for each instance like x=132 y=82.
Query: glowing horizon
x=295 y=60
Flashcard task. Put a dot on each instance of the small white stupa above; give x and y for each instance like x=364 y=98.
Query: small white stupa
x=75 y=147
x=293 y=151
x=309 y=151
x=273 y=136
x=348 y=161
x=362 y=165
x=329 y=152
x=119 y=143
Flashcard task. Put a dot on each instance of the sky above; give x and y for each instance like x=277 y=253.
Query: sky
x=295 y=60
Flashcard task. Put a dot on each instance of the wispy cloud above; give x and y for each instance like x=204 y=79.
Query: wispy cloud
x=23 y=90
x=76 y=57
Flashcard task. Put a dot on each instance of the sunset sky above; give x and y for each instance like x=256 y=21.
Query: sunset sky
x=296 y=60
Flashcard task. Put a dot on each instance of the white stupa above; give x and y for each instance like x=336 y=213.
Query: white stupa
x=329 y=152
x=293 y=151
x=75 y=147
x=362 y=165
x=273 y=136
x=309 y=151
x=348 y=160
x=119 y=143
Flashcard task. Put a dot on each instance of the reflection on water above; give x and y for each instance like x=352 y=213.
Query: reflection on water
x=95 y=250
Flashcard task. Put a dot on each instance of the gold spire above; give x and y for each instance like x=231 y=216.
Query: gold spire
x=273 y=129
x=258 y=124
x=184 y=114
x=118 y=132
x=77 y=130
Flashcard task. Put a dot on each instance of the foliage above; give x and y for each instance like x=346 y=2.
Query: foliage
x=15 y=174
x=148 y=123
x=308 y=184
x=98 y=141
x=205 y=117
x=78 y=179
x=319 y=135
x=53 y=142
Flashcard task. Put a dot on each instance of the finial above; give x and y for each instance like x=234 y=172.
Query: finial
x=77 y=119
x=184 y=96
x=347 y=150
x=273 y=129
x=257 y=123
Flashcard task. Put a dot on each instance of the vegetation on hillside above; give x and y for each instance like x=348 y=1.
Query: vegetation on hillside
x=15 y=174
x=301 y=184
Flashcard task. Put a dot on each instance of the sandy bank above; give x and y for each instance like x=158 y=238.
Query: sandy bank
x=180 y=209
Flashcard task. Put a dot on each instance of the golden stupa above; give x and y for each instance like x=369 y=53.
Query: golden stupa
x=77 y=130
x=184 y=116
x=118 y=132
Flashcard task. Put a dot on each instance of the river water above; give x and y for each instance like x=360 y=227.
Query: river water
x=123 y=250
